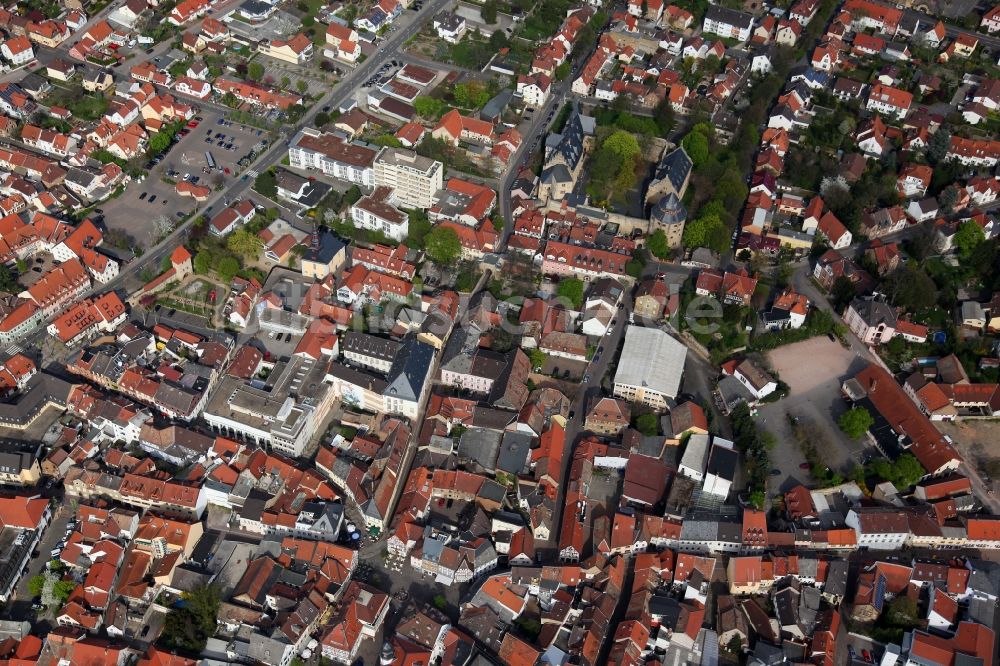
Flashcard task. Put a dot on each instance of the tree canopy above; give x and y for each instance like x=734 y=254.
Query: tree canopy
x=244 y=243
x=428 y=107
x=707 y=230
x=657 y=244
x=968 y=237
x=855 y=422
x=188 y=627
x=695 y=143
x=902 y=472
x=442 y=245
x=471 y=95
x=912 y=289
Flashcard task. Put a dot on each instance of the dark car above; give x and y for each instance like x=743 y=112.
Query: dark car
x=152 y=198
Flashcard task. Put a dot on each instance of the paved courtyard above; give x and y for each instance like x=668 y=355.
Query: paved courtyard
x=813 y=370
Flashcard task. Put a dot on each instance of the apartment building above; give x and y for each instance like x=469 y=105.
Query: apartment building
x=414 y=179
x=333 y=156
x=370 y=351
x=377 y=212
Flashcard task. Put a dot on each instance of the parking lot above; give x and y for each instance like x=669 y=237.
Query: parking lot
x=813 y=370
x=147 y=207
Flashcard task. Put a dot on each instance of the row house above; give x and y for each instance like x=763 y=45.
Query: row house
x=728 y=23
x=475 y=242
x=730 y=288
x=187 y=11
x=60 y=286
x=869 y=14
x=257 y=95
x=87 y=318
x=49 y=33
x=974 y=152
x=534 y=89
x=588 y=263
x=48 y=141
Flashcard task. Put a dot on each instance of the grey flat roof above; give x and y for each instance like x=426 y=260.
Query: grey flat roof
x=651 y=359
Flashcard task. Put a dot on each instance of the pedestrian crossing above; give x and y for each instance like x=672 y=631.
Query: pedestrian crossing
x=13 y=350
x=253 y=173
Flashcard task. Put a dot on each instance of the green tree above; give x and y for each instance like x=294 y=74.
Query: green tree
x=657 y=244
x=938 y=146
x=902 y=472
x=912 y=288
x=967 y=238
x=471 y=95
x=489 y=12
x=159 y=143
x=266 y=184
x=440 y=602
x=703 y=231
x=62 y=589
x=537 y=357
x=842 y=291
x=419 y=226
x=322 y=118
x=647 y=424
x=8 y=282
x=696 y=146
x=35 y=585
x=255 y=71
x=286 y=83
x=302 y=86
x=442 y=245
x=189 y=627
x=623 y=144
x=352 y=195
x=663 y=114
x=203 y=262
x=634 y=268
x=228 y=268
x=562 y=71
x=498 y=40
x=428 y=107
x=571 y=289
x=244 y=243
x=902 y=612
x=855 y=422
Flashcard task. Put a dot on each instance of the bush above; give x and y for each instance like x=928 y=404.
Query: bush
x=571 y=289
x=647 y=424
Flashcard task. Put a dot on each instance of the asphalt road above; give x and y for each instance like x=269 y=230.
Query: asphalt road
x=992 y=42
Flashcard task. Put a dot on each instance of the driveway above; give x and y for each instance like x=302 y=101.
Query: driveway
x=814 y=370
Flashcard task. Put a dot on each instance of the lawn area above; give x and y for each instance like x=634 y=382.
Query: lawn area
x=83 y=105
